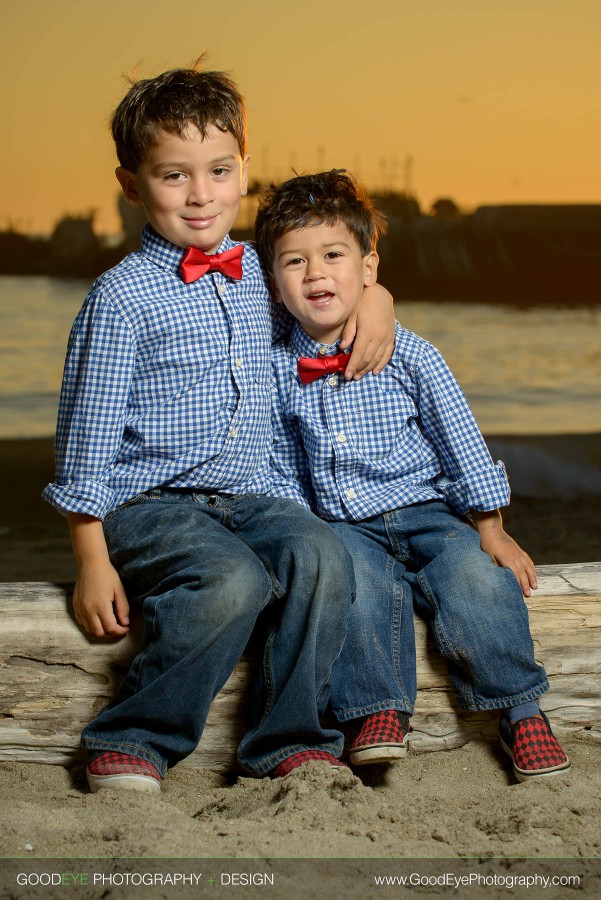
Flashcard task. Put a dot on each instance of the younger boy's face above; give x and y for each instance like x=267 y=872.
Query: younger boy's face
x=320 y=274
x=189 y=186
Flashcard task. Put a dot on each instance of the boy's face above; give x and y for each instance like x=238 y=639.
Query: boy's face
x=190 y=187
x=320 y=274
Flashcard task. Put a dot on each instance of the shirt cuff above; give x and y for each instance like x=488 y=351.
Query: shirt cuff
x=483 y=490
x=86 y=497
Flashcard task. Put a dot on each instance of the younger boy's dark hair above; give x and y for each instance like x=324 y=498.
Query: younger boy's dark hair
x=170 y=102
x=325 y=198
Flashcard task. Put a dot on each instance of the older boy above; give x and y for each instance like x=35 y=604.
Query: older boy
x=396 y=463
x=162 y=458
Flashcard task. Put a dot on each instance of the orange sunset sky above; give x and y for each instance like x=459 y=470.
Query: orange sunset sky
x=490 y=101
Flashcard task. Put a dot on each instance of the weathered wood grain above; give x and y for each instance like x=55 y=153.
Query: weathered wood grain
x=54 y=678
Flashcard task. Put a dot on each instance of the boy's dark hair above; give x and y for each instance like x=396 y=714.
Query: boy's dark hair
x=170 y=102
x=326 y=198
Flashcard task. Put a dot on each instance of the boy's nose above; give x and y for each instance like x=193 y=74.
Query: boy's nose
x=200 y=192
x=313 y=271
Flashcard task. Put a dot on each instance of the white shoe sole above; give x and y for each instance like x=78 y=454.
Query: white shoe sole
x=378 y=754
x=123 y=782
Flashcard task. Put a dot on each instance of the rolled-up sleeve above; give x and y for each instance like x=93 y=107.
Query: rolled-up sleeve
x=100 y=362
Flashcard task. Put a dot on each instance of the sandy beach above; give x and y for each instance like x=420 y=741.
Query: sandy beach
x=462 y=805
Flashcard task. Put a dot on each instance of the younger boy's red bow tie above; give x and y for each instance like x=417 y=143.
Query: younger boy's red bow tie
x=310 y=369
x=195 y=263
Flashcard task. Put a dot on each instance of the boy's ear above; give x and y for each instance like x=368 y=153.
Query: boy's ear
x=244 y=179
x=129 y=185
x=370 y=268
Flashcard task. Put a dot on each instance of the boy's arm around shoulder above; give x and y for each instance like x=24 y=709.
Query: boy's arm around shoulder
x=495 y=541
x=99 y=601
x=373 y=331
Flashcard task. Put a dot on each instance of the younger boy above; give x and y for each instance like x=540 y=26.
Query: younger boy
x=162 y=456
x=397 y=464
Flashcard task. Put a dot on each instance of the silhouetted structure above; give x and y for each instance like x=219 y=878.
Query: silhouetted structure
x=519 y=254
x=530 y=254
x=73 y=249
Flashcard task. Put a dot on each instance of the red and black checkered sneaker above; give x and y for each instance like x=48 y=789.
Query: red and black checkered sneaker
x=110 y=769
x=381 y=738
x=306 y=756
x=533 y=748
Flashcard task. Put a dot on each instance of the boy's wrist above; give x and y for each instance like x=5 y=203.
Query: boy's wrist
x=87 y=540
x=489 y=520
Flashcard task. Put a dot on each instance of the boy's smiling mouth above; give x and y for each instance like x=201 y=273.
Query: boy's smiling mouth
x=320 y=297
x=200 y=221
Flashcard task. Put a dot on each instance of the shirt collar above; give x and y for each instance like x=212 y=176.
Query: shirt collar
x=303 y=345
x=166 y=255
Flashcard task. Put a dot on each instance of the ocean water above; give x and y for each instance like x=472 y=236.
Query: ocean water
x=533 y=371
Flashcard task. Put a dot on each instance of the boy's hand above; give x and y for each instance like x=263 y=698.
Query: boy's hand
x=372 y=329
x=495 y=541
x=99 y=601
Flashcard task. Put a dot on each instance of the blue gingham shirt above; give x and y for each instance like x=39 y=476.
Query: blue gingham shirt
x=165 y=383
x=355 y=449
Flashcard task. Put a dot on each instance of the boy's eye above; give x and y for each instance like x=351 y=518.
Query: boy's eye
x=220 y=171
x=333 y=254
x=295 y=261
x=174 y=176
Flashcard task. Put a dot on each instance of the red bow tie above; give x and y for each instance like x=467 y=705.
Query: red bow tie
x=195 y=263
x=310 y=369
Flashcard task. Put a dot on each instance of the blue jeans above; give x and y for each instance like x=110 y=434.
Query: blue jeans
x=428 y=556
x=204 y=567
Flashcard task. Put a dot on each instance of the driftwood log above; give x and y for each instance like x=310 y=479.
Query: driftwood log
x=54 y=678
